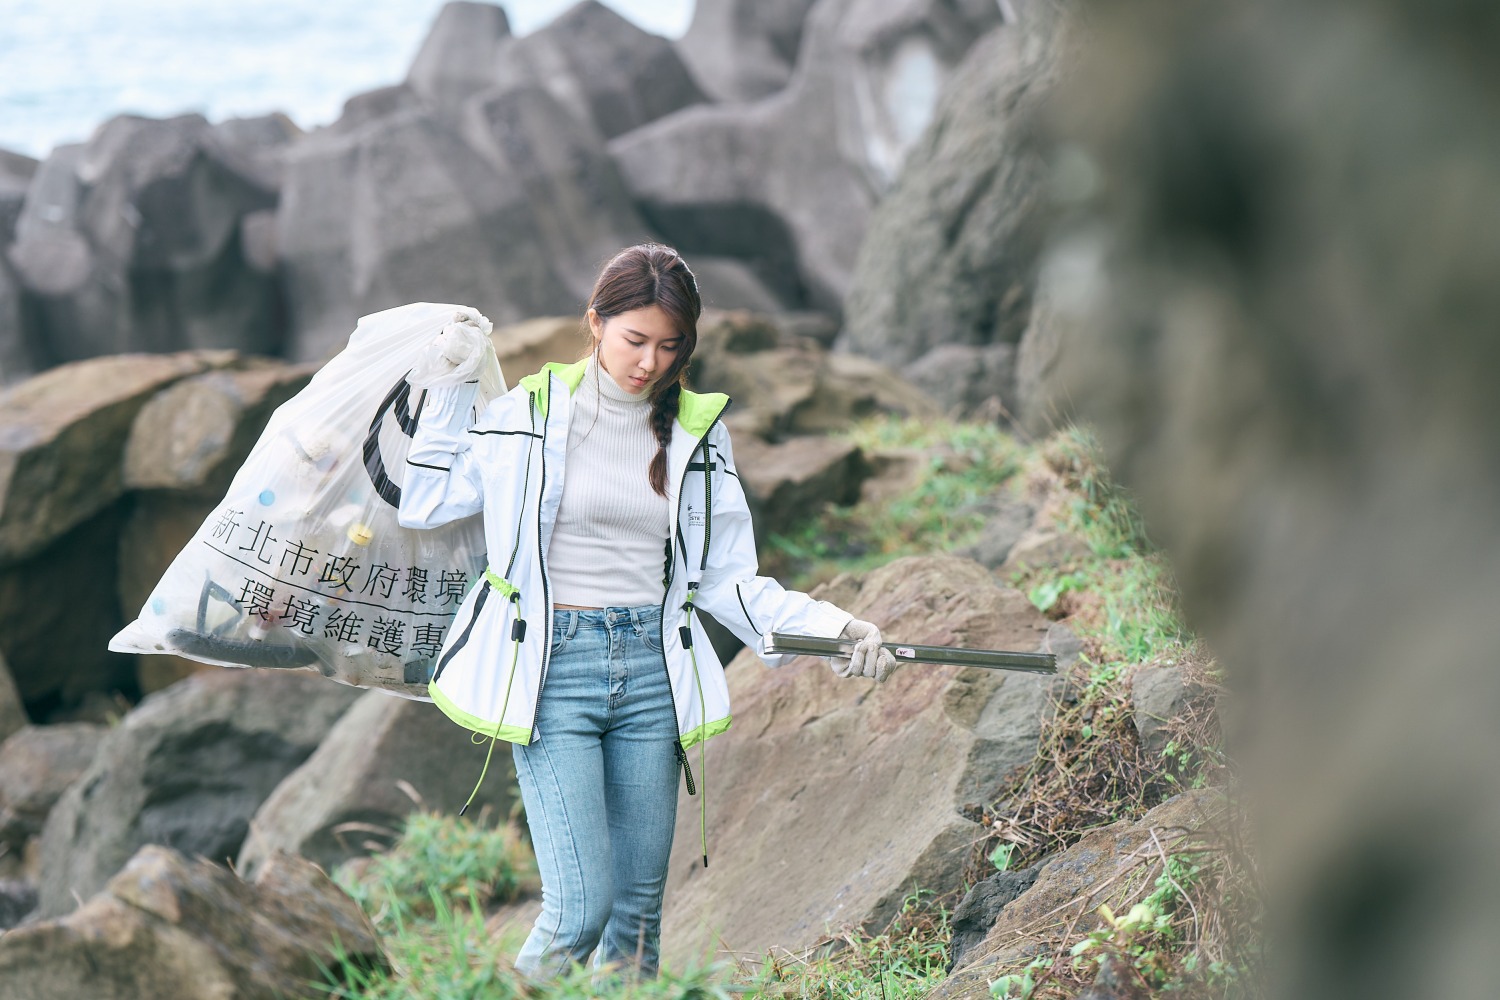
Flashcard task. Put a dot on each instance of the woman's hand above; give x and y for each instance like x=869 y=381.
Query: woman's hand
x=869 y=658
x=455 y=354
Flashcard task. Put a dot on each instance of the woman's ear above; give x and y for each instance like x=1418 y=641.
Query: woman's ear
x=596 y=325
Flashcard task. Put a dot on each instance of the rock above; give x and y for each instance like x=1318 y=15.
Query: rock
x=1073 y=884
x=195 y=434
x=976 y=913
x=848 y=792
x=357 y=775
x=801 y=389
x=17 y=899
x=459 y=55
x=12 y=712
x=261 y=142
x=131 y=242
x=1044 y=548
x=173 y=928
x=792 y=481
x=741 y=50
x=601 y=67
x=160 y=523
x=1006 y=527
x=58 y=611
x=970 y=380
x=16 y=174
x=951 y=252
x=37 y=765
x=895 y=472
x=788 y=182
x=522 y=348
x=62 y=436
x=1042 y=404
x=16 y=350
x=375 y=105
x=1063 y=643
x=186 y=769
x=16 y=354
x=1158 y=695
x=507 y=208
x=576 y=208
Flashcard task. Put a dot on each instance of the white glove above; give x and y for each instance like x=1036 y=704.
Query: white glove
x=869 y=659
x=456 y=355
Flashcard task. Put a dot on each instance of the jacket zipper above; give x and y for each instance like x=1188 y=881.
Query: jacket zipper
x=541 y=557
x=661 y=623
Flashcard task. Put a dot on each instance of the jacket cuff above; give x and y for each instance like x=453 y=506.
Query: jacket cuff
x=449 y=407
x=827 y=621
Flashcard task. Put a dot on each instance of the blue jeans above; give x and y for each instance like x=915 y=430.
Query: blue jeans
x=599 y=782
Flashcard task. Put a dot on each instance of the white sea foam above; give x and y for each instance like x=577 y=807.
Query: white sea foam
x=66 y=67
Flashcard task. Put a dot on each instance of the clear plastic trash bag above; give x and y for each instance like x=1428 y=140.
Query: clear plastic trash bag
x=303 y=564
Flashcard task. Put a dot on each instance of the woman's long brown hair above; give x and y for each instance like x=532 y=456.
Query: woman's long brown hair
x=650 y=274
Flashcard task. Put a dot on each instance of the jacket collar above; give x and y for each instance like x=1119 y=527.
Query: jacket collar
x=696 y=411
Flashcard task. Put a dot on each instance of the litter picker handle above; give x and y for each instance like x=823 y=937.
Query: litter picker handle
x=989 y=659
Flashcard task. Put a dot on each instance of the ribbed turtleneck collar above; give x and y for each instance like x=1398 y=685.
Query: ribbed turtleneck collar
x=609 y=389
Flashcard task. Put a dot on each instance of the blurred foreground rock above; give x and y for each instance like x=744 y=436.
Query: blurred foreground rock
x=173 y=928
x=1283 y=312
x=386 y=757
x=186 y=769
x=830 y=799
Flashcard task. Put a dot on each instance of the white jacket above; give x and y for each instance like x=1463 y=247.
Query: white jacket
x=509 y=463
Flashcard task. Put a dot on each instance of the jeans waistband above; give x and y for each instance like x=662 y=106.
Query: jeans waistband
x=647 y=615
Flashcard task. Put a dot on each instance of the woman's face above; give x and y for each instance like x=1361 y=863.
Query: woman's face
x=636 y=347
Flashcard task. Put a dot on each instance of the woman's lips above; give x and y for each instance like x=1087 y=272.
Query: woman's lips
x=639 y=383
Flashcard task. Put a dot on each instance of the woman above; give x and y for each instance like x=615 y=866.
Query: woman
x=612 y=513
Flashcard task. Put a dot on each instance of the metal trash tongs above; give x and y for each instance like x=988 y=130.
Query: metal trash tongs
x=990 y=659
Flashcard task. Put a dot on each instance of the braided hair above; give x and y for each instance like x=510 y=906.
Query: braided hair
x=650 y=274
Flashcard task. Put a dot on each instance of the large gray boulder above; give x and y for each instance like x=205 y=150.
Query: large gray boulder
x=186 y=769
x=459 y=55
x=1286 y=338
x=173 y=928
x=132 y=241
x=830 y=799
x=602 y=68
x=951 y=252
x=403 y=209
x=742 y=50
x=788 y=182
x=386 y=757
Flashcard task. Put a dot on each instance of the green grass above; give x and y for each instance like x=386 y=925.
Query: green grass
x=962 y=466
x=429 y=896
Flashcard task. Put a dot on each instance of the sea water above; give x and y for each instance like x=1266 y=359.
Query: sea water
x=67 y=65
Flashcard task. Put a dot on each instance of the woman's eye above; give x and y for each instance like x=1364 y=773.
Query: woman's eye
x=636 y=343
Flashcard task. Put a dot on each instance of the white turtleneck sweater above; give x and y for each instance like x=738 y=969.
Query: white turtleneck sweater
x=609 y=542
